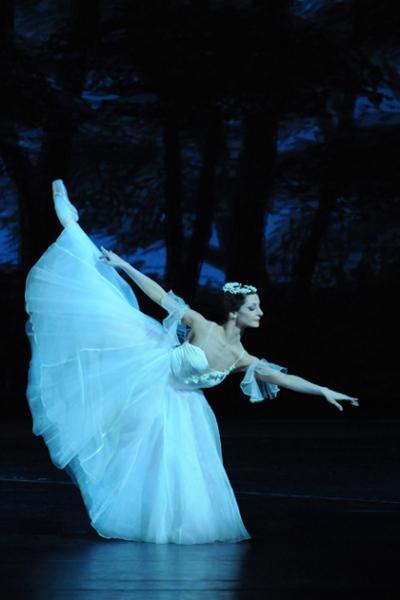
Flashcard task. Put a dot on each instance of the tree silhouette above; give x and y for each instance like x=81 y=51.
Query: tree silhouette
x=173 y=119
x=170 y=66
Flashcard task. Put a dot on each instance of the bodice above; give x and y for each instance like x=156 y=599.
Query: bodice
x=190 y=368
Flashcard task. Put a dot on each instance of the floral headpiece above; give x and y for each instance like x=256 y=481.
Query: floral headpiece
x=233 y=287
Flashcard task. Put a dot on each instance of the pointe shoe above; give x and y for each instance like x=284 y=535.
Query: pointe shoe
x=66 y=212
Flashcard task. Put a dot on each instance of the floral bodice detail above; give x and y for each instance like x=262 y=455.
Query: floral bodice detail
x=190 y=368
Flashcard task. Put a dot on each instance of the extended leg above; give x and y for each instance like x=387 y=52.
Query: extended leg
x=66 y=212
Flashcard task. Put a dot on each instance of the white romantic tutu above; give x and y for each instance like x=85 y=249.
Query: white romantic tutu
x=144 y=450
x=118 y=401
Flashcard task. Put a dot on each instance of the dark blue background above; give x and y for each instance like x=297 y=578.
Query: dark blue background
x=205 y=141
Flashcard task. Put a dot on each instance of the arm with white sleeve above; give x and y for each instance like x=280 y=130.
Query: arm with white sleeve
x=263 y=380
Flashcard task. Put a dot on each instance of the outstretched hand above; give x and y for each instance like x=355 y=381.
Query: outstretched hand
x=110 y=258
x=335 y=397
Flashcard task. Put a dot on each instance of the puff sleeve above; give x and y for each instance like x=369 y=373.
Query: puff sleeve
x=173 y=326
x=257 y=389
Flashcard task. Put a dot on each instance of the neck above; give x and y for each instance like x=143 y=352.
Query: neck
x=233 y=333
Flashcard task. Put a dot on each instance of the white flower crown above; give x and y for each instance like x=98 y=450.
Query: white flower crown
x=234 y=287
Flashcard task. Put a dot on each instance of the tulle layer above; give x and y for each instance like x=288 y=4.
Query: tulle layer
x=145 y=455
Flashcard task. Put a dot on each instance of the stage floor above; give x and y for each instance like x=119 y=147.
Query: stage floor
x=321 y=499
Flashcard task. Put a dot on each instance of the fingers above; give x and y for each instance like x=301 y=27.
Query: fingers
x=105 y=255
x=345 y=398
x=353 y=401
x=334 y=403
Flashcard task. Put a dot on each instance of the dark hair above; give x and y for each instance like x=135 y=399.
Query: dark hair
x=217 y=304
x=231 y=303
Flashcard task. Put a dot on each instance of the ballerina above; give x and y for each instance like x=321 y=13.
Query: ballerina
x=118 y=397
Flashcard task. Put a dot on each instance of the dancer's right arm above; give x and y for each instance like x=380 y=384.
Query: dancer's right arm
x=150 y=287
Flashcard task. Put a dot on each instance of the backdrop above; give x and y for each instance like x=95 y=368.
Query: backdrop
x=213 y=140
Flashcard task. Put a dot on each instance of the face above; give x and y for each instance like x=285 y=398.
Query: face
x=250 y=313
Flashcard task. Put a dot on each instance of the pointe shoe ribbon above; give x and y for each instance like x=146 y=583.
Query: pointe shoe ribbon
x=66 y=212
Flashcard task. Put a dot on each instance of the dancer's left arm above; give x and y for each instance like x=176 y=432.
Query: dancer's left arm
x=298 y=384
x=150 y=287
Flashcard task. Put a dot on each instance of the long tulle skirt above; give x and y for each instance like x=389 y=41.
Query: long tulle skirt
x=145 y=455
